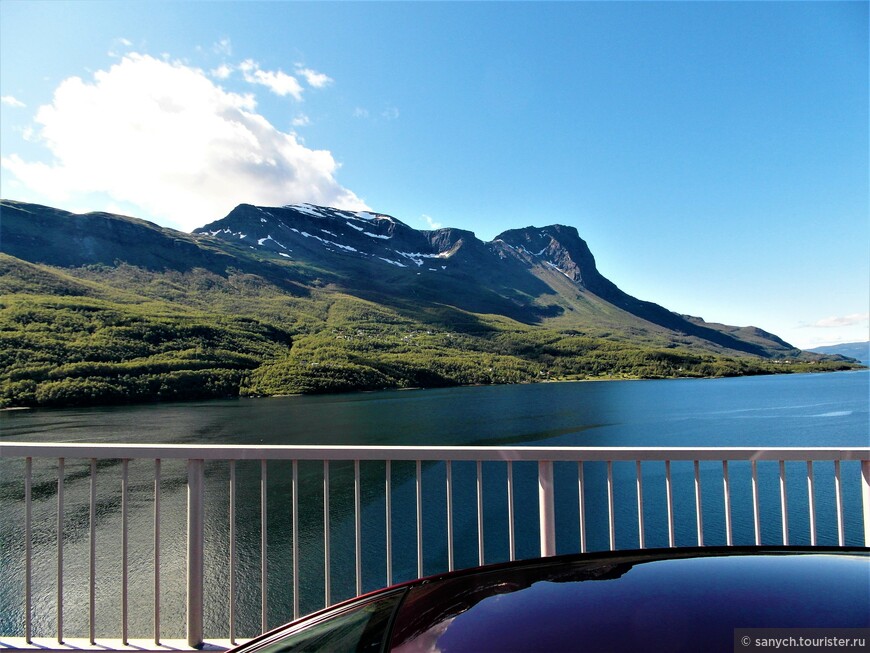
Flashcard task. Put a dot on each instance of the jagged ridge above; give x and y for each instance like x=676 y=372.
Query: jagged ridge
x=500 y=265
x=532 y=275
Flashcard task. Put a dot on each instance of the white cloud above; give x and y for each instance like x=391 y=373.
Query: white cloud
x=432 y=224
x=301 y=120
x=835 y=321
x=314 y=78
x=222 y=72
x=125 y=42
x=390 y=113
x=359 y=112
x=276 y=81
x=164 y=137
x=11 y=101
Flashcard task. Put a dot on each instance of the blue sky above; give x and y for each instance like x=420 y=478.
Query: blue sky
x=713 y=155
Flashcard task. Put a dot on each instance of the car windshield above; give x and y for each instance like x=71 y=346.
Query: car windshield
x=359 y=627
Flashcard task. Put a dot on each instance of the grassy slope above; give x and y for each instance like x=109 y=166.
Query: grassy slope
x=104 y=334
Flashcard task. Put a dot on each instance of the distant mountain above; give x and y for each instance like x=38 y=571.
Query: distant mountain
x=520 y=274
x=860 y=351
x=268 y=300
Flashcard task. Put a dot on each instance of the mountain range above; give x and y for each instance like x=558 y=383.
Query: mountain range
x=269 y=300
x=860 y=351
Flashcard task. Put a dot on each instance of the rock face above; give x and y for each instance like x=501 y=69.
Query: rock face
x=558 y=246
x=532 y=275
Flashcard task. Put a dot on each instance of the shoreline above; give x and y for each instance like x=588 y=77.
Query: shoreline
x=601 y=379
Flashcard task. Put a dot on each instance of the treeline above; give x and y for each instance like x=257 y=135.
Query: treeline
x=92 y=336
x=369 y=359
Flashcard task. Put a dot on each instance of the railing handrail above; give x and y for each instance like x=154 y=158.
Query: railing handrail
x=415 y=452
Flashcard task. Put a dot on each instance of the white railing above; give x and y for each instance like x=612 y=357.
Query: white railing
x=196 y=457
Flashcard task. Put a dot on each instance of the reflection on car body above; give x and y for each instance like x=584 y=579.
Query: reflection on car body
x=651 y=600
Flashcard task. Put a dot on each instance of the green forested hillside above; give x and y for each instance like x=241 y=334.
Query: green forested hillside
x=101 y=334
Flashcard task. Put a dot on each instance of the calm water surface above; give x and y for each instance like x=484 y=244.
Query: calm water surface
x=788 y=410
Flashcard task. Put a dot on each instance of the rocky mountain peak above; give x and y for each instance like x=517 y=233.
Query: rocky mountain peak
x=520 y=275
x=558 y=246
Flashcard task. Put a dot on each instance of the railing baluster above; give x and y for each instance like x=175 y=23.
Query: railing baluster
x=726 y=489
x=783 y=502
x=639 y=484
x=264 y=547
x=92 y=553
x=294 y=491
x=838 y=497
x=480 y=552
x=232 y=552
x=581 y=502
x=510 y=500
x=546 y=508
x=28 y=546
x=756 y=511
x=865 y=498
x=669 y=491
x=157 y=472
x=699 y=518
x=449 y=474
x=389 y=522
x=195 y=558
x=811 y=502
x=419 y=497
x=327 y=576
x=611 y=517
x=60 y=474
x=357 y=526
x=124 y=551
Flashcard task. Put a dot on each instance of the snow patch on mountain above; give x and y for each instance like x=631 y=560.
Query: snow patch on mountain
x=368 y=215
x=307 y=209
x=262 y=241
x=417 y=257
x=556 y=267
x=324 y=241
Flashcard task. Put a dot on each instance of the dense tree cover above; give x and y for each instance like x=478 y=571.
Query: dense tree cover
x=110 y=334
x=58 y=351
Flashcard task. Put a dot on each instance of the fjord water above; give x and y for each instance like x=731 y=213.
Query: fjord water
x=786 y=410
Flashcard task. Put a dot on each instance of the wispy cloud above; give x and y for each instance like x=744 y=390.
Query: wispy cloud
x=431 y=223
x=838 y=321
x=388 y=114
x=11 y=101
x=222 y=72
x=224 y=46
x=165 y=137
x=276 y=81
x=118 y=46
x=314 y=78
x=301 y=120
